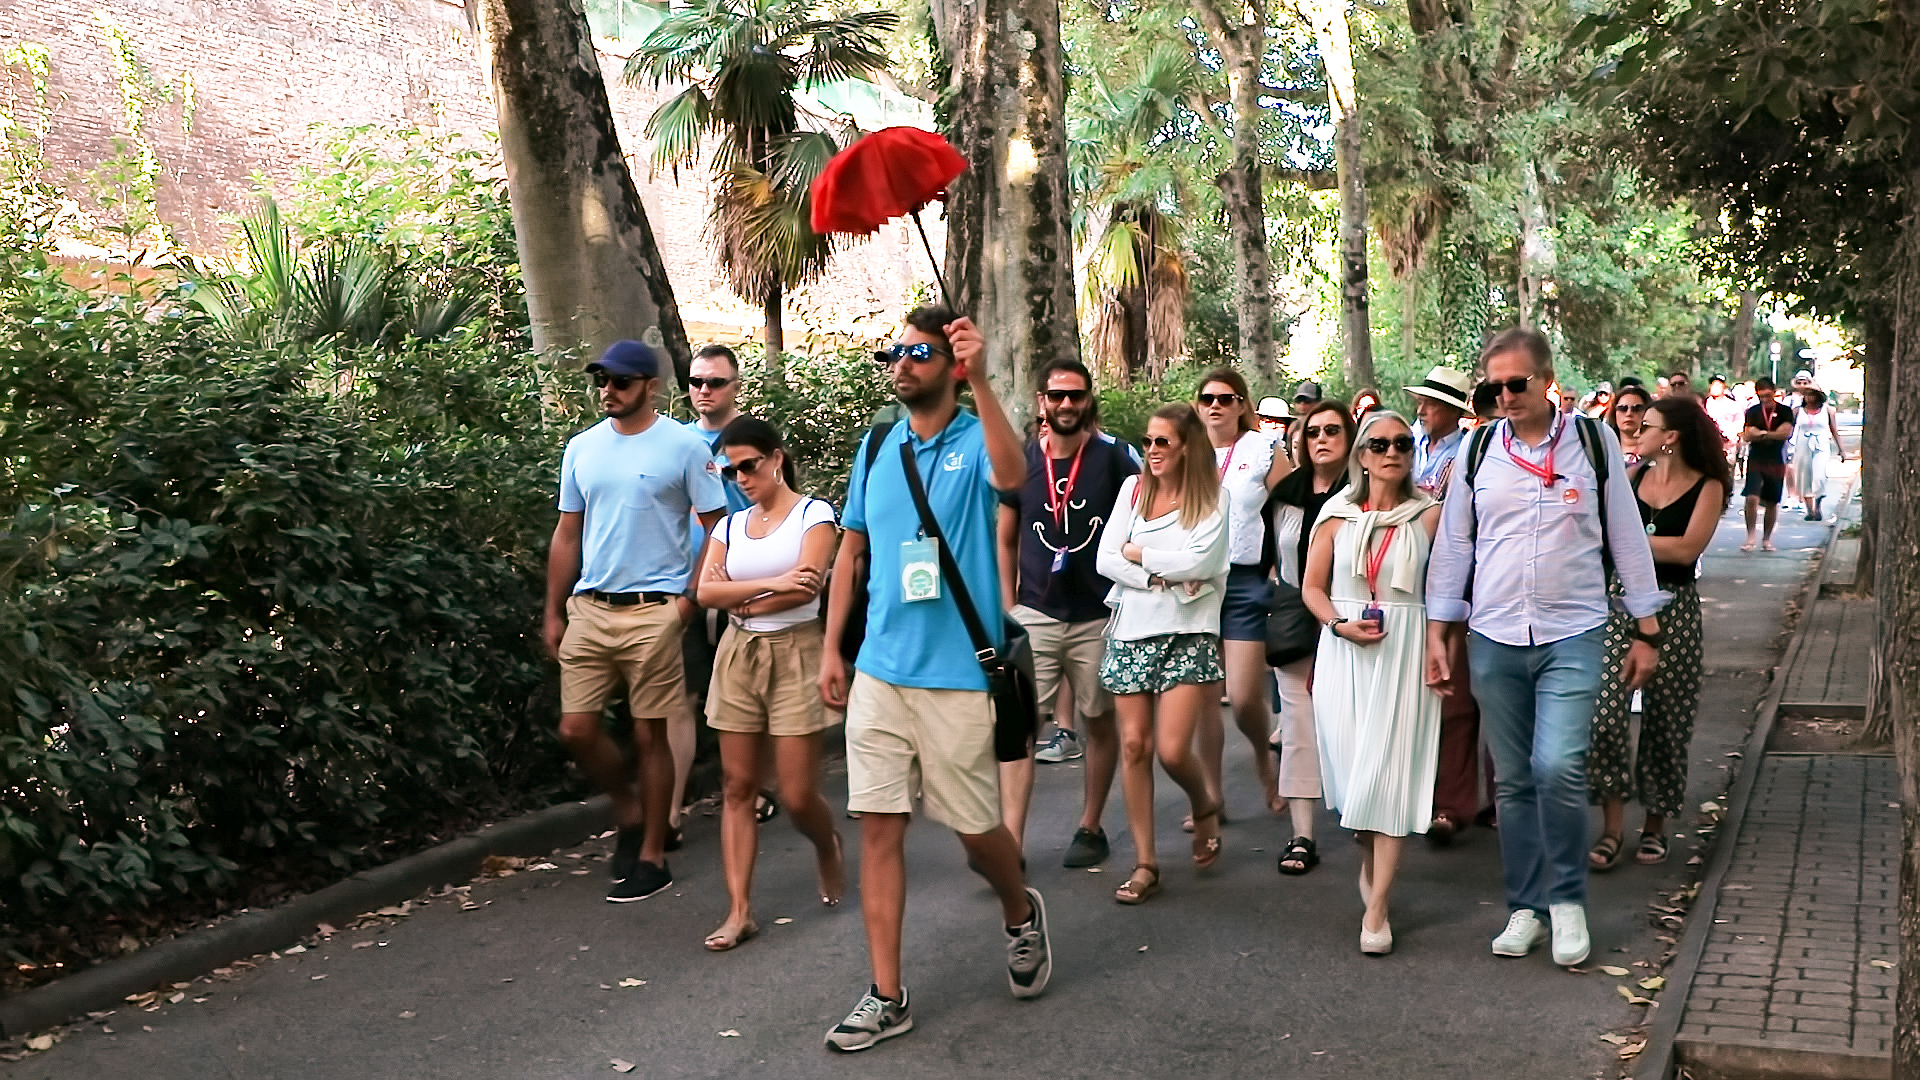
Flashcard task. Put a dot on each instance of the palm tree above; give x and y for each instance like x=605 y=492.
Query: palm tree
x=742 y=61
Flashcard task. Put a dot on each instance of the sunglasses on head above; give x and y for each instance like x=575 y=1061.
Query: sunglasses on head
x=1380 y=444
x=1516 y=387
x=1156 y=442
x=920 y=352
x=745 y=468
x=1058 y=396
x=618 y=382
x=1217 y=399
x=708 y=384
x=1325 y=430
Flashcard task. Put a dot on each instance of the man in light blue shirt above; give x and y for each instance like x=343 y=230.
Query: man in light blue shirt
x=615 y=574
x=1523 y=529
x=918 y=711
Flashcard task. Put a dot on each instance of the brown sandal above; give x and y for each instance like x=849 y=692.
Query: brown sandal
x=1206 y=851
x=1136 y=891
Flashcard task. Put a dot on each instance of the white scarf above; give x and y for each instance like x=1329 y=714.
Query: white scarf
x=1403 y=565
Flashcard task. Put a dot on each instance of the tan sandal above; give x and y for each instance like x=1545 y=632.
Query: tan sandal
x=1206 y=850
x=1135 y=890
x=831 y=897
x=721 y=941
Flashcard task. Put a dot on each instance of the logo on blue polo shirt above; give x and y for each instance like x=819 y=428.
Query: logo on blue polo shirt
x=955 y=459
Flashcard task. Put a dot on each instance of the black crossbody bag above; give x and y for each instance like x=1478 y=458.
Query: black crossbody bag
x=1009 y=670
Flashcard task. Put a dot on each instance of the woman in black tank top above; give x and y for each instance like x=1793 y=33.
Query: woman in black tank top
x=1681 y=487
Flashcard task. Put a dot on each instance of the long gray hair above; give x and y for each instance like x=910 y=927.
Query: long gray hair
x=1357 y=475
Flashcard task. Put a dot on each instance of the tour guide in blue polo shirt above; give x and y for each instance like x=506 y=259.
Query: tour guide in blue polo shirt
x=917 y=706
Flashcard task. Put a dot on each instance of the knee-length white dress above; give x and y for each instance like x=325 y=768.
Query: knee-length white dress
x=1378 y=723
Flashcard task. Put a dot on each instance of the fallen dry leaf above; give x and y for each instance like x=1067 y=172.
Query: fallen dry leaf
x=395 y=910
x=407 y=1014
x=1633 y=998
x=326 y=930
x=1632 y=1049
x=176 y=998
x=1612 y=970
x=1142 y=948
x=633 y=982
x=579 y=873
x=363 y=944
x=317 y=978
x=296 y=950
x=1709 y=807
x=621 y=1066
x=782 y=921
x=1617 y=1040
x=40 y=1042
x=606 y=986
x=1886 y=965
x=729 y=1034
x=1654 y=982
x=469 y=906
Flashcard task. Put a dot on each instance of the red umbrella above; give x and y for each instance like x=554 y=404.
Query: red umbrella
x=891 y=172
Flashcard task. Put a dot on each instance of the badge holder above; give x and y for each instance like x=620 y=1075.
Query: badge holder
x=920 y=570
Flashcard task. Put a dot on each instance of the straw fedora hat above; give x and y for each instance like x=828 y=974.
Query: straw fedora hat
x=1447 y=386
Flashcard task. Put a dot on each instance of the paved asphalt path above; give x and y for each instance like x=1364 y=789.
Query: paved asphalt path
x=1237 y=973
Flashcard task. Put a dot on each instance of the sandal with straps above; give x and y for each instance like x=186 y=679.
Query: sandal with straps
x=1653 y=849
x=1300 y=856
x=1206 y=851
x=1606 y=853
x=1135 y=890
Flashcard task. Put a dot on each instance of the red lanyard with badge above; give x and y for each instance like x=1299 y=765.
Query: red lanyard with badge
x=1058 y=500
x=1375 y=561
x=1544 y=472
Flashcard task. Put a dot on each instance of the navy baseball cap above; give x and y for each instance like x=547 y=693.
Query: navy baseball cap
x=629 y=358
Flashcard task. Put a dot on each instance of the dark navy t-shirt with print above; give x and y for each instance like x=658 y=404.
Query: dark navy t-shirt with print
x=1077 y=593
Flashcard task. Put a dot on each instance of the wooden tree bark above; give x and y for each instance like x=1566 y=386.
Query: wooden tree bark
x=1329 y=19
x=1537 y=259
x=1009 y=258
x=1740 y=349
x=1242 y=37
x=775 y=327
x=1874 y=447
x=593 y=273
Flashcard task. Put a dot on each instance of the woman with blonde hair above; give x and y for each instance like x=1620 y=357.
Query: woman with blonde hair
x=1165 y=550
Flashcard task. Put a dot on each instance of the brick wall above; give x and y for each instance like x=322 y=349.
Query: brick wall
x=264 y=71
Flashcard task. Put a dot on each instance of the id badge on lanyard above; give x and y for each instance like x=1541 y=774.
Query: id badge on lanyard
x=920 y=570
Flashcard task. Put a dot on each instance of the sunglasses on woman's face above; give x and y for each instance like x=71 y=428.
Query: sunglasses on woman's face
x=1380 y=444
x=1157 y=442
x=1625 y=407
x=745 y=468
x=1228 y=400
x=1058 y=396
x=619 y=382
x=1326 y=431
x=708 y=384
x=919 y=352
x=1516 y=387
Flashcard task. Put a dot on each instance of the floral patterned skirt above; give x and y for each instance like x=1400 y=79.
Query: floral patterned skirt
x=1158 y=664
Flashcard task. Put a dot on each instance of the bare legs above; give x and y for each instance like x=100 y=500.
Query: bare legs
x=1170 y=733
x=1379 y=861
x=683 y=736
x=1016 y=792
x=883 y=887
x=644 y=803
x=796 y=759
x=1772 y=518
x=1102 y=736
x=1252 y=711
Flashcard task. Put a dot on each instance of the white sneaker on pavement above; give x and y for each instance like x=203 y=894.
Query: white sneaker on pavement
x=1524 y=931
x=1570 y=942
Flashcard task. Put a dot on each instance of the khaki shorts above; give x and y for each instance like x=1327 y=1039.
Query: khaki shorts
x=1070 y=650
x=768 y=682
x=607 y=647
x=940 y=741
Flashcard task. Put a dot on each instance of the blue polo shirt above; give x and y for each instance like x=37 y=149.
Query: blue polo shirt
x=924 y=644
x=637 y=493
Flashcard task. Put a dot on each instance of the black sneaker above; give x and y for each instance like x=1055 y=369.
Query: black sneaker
x=1029 y=957
x=1089 y=848
x=647 y=878
x=873 y=1020
x=626 y=852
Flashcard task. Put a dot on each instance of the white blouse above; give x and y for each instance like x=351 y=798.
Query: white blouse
x=1175 y=554
x=1243 y=481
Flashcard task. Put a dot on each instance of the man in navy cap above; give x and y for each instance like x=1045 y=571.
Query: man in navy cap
x=615 y=610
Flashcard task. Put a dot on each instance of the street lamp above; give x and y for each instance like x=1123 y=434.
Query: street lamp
x=1776 y=363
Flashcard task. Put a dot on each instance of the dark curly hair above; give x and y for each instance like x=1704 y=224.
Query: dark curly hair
x=1701 y=444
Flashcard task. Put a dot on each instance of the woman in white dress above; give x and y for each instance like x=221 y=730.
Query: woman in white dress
x=1816 y=441
x=1377 y=721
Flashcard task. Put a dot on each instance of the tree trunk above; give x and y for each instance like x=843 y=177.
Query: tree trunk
x=1243 y=44
x=1410 y=323
x=1536 y=245
x=775 y=328
x=1009 y=238
x=1336 y=52
x=1874 y=444
x=1740 y=350
x=1898 y=581
x=593 y=273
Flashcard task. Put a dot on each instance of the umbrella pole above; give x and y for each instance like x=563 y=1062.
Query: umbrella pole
x=938 y=278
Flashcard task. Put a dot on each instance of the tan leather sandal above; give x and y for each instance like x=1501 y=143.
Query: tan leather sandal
x=1136 y=890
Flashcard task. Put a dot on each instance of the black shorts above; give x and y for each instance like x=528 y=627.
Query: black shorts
x=1769 y=482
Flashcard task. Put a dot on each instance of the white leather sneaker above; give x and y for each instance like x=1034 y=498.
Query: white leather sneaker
x=1570 y=942
x=1523 y=932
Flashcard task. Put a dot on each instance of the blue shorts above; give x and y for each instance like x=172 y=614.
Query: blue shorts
x=1244 y=608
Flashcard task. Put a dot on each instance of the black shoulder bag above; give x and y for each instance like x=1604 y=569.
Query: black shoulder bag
x=1009 y=670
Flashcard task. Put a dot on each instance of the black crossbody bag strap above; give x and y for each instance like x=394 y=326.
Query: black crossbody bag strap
x=983 y=648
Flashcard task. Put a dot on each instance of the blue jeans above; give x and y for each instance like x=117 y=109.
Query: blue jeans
x=1536 y=708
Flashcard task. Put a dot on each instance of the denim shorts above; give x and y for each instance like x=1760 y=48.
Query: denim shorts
x=1244 y=608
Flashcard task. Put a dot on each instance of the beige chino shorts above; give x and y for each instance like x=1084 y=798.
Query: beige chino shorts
x=902 y=738
x=607 y=647
x=768 y=682
x=1070 y=651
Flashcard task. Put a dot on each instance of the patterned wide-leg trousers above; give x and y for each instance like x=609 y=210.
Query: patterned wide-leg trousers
x=1656 y=774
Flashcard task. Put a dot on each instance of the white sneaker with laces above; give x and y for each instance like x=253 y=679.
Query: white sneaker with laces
x=1524 y=931
x=1063 y=746
x=1570 y=941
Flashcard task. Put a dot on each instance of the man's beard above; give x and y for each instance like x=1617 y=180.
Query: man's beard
x=1079 y=422
x=924 y=394
x=620 y=413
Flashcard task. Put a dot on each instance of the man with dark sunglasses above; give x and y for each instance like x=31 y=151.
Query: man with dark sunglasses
x=1049 y=537
x=617 y=573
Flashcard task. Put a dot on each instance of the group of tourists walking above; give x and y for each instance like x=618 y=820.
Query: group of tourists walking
x=1455 y=605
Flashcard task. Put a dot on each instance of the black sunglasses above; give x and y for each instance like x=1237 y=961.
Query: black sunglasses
x=618 y=382
x=919 y=351
x=1380 y=444
x=745 y=468
x=1625 y=407
x=1217 y=399
x=1325 y=429
x=1058 y=396
x=1516 y=387
x=708 y=384
x=1160 y=442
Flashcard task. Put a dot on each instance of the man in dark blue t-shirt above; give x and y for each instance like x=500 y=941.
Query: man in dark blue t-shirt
x=1049 y=538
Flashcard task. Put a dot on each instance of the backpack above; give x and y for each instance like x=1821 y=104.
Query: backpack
x=856 y=627
x=1591 y=441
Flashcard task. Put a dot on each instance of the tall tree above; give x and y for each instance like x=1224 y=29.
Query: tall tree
x=592 y=270
x=743 y=60
x=1009 y=242
x=1240 y=31
x=1329 y=20
x=1740 y=348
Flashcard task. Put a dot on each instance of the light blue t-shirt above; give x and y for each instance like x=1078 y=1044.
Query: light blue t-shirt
x=924 y=643
x=637 y=492
x=736 y=499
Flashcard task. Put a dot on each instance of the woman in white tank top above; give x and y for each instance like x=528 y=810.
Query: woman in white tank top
x=765 y=566
x=1816 y=441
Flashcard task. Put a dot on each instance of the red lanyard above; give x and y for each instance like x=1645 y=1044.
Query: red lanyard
x=1378 y=559
x=1225 y=464
x=1057 y=499
x=1544 y=472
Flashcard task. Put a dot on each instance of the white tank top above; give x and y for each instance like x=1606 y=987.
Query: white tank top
x=772 y=555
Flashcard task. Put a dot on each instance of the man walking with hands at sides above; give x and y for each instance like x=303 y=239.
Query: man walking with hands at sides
x=616 y=573
x=1049 y=540
x=1767 y=430
x=918 y=711
x=1538 y=511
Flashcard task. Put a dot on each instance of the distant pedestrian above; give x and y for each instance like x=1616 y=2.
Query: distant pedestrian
x=1049 y=543
x=1630 y=407
x=1364 y=403
x=765 y=566
x=1378 y=723
x=1166 y=552
x=1767 y=429
x=1681 y=491
x=1679 y=385
x=1726 y=412
x=1816 y=443
x=1529 y=523
x=919 y=716
x=616 y=574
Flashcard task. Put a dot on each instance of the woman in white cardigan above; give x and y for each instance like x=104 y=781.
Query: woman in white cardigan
x=1165 y=549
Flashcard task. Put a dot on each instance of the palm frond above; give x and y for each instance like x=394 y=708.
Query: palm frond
x=271 y=257
x=762 y=235
x=677 y=126
x=1117 y=259
x=343 y=292
x=847 y=47
x=434 y=317
x=800 y=157
x=755 y=93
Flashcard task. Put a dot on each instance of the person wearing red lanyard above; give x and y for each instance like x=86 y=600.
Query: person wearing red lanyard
x=1768 y=427
x=1378 y=723
x=1049 y=535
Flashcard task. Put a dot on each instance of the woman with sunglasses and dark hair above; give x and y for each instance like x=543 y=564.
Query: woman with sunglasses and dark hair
x=1165 y=550
x=1629 y=410
x=1326 y=442
x=1248 y=467
x=765 y=565
x=1681 y=489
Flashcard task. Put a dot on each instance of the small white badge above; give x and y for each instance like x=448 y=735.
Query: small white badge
x=920 y=570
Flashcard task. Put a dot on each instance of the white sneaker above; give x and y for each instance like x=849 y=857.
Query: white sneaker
x=1570 y=942
x=1523 y=932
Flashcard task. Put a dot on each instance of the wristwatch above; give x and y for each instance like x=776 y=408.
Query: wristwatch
x=1657 y=639
x=1335 y=621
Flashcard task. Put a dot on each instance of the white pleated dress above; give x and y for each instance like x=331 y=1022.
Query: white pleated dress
x=1378 y=723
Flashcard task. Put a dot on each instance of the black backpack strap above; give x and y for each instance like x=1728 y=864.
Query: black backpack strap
x=983 y=647
x=1478 y=443
x=1596 y=447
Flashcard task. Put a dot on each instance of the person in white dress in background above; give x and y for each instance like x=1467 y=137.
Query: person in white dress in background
x=1378 y=723
x=1816 y=442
